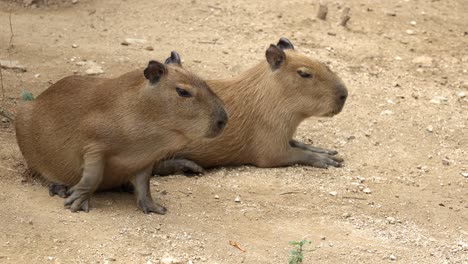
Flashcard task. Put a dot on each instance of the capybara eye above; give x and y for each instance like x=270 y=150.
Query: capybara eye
x=183 y=93
x=304 y=74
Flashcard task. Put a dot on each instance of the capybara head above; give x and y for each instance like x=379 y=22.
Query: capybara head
x=186 y=102
x=311 y=87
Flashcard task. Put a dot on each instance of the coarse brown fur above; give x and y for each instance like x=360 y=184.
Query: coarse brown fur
x=265 y=105
x=116 y=128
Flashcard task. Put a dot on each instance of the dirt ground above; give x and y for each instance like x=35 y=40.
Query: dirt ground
x=402 y=133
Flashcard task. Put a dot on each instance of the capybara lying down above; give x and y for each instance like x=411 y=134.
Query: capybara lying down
x=265 y=105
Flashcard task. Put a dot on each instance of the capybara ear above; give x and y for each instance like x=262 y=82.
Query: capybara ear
x=275 y=56
x=174 y=58
x=284 y=43
x=154 y=71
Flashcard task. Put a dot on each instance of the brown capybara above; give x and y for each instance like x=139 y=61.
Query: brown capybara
x=265 y=105
x=96 y=133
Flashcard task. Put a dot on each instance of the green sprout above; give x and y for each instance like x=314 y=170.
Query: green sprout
x=26 y=96
x=296 y=255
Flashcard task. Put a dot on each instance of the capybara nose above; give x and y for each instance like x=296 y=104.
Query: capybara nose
x=221 y=124
x=342 y=93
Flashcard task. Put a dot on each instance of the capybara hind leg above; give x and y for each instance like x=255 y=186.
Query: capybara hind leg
x=296 y=144
x=145 y=202
x=173 y=166
x=58 y=189
x=90 y=180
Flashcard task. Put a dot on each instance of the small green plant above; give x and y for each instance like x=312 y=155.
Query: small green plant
x=26 y=96
x=296 y=255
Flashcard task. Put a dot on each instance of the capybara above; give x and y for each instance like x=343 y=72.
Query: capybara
x=91 y=133
x=265 y=105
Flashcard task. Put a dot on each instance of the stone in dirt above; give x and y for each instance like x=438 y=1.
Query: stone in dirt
x=129 y=41
x=438 y=99
x=423 y=61
x=12 y=65
x=93 y=67
x=170 y=261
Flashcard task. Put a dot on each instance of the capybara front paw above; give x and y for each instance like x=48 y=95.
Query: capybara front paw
x=58 y=189
x=77 y=201
x=325 y=161
x=148 y=206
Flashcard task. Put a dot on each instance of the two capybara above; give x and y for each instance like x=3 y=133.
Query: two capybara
x=265 y=105
x=96 y=133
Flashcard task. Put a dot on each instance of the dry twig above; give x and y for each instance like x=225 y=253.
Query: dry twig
x=322 y=11
x=345 y=17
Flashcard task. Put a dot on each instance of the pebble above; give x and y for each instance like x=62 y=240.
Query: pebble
x=367 y=190
x=150 y=48
x=438 y=100
x=333 y=193
x=93 y=67
x=37 y=75
x=129 y=41
x=216 y=197
x=392 y=257
x=445 y=162
x=386 y=112
x=464 y=174
x=391 y=220
x=74 y=2
x=462 y=95
x=12 y=65
x=423 y=61
x=429 y=129
x=413 y=23
x=346 y=215
x=170 y=261
x=95 y=70
x=410 y=32
x=74 y=45
x=238 y=199
x=398 y=58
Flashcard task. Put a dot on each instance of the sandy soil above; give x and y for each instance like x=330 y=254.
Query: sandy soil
x=403 y=134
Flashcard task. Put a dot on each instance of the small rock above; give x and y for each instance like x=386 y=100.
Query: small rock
x=391 y=220
x=12 y=65
x=423 y=61
x=323 y=237
x=386 y=112
x=398 y=58
x=429 y=129
x=150 y=48
x=392 y=257
x=238 y=199
x=390 y=14
x=461 y=95
x=367 y=191
x=94 y=70
x=464 y=174
x=216 y=197
x=37 y=75
x=346 y=215
x=413 y=23
x=74 y=46
x=129 y=41
x=30 y=222
x=333 y=193
x=170 y=261
x=445 y=161
x=438 y=100
x=410 y=32
x=74 y=2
